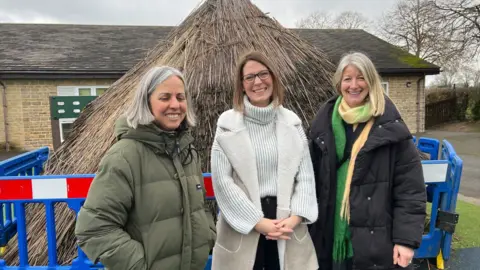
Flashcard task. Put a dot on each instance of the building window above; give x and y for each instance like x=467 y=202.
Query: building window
x=385 y=87
x=81 y=90
x=90 y=90
x=66 y=124
x=65 y=127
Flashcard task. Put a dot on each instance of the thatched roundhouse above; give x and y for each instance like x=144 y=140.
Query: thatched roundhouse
x=206 y=46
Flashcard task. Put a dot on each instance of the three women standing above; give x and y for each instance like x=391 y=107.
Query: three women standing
x=145 y=209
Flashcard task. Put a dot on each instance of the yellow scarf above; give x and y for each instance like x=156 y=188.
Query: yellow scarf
x=354 y=116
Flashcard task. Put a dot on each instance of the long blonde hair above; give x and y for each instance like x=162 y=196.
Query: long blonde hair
x=359 y=60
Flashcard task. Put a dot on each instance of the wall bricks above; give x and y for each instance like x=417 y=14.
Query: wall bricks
x=28 y=110
x=405 y=98
x=15 y=124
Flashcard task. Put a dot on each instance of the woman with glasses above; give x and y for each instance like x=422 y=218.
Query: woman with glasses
x=263 y=177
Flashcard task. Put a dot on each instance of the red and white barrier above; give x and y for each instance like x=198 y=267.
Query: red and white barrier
x=41 y=187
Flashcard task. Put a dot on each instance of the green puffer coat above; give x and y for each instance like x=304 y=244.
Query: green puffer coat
x=145 y=209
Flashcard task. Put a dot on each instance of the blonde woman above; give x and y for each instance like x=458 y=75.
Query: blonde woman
x=263 y=177
x=370 y=187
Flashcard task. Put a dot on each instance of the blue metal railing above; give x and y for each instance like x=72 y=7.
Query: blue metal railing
x=30 y=163
x=449 y=201
x=442 y=195
x=81 y=262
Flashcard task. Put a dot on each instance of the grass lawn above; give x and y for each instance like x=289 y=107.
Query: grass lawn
x=467 y=232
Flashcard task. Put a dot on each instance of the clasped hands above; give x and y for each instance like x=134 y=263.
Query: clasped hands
x=277 y=229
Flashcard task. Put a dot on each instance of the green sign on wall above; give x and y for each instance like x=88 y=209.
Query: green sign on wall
x=68 y=106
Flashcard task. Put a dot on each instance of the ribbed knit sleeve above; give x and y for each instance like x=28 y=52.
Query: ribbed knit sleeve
x=304 y=199
x=234 y=204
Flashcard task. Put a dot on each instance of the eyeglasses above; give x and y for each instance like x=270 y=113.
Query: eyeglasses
x=262 y=75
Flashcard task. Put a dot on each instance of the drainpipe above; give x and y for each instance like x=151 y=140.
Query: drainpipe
x=4 y=98
x=418 y=102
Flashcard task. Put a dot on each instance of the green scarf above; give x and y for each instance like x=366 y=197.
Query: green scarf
x=342 y=245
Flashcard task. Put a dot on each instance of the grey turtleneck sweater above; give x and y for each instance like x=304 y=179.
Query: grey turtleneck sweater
x=240 y=212
x=260 y=123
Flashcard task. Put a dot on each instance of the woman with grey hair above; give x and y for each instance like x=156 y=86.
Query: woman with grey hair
x=146 y=206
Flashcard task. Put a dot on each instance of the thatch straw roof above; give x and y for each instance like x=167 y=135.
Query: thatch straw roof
x=206 y=46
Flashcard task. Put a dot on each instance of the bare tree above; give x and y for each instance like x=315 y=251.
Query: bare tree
x=461 y=71
x=449 y=76
x=415 y=26
x=351 y=20
x=470 y=76
x=463 y=16
x=318 y=19
x=344 y=20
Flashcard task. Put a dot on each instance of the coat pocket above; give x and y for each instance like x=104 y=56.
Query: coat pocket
x=201 y=231
x=227 y=238
x=299 y=252
x=300 y=232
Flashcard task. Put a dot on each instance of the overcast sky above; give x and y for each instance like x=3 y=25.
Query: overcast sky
x=167 y=12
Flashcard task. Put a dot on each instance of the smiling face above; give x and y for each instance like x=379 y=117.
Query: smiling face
x=257 y=83
x=354 y=87
x=168 y=103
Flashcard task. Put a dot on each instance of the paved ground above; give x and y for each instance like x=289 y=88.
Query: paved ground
x=6 y=155
x=463 y=259
x=467 y=146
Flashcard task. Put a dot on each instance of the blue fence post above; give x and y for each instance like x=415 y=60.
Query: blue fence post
x=30 y=163
x=51 y=234
x=21 y=234
x=457 y=167
x=448 y=152
x=430 y=146
x=81 y=262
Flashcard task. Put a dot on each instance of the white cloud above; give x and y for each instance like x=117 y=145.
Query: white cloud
x=165 y=12
x=26 y=17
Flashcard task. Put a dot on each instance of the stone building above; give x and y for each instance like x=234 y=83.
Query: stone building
x=40 y=61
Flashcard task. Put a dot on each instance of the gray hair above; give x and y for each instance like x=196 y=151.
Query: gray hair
x=139 y=112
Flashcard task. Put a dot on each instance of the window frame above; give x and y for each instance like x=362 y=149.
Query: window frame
x=60 y=126
x=386 y=87
x=93 y=89
x=76 y=92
